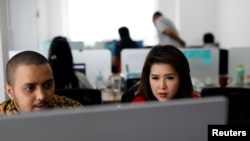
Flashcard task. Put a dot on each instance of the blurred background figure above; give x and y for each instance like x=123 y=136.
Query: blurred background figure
x=61 y=61
x=167 y=33
x=124 y=42
x=208 y=40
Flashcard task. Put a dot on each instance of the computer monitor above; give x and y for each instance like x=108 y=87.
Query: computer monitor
x=176 y=120
x=81 y=67
x=139 y=43
x=111 y=45
x=195 y=46
x=238 y=102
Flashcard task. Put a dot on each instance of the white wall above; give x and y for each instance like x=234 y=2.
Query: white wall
x=3 y=46
x=23 y=24
x=33 y=21
x=91 y=22
x=43 y=21
x=169 y=9
x=56 y=15
x=227 y=19
x=234 y=23
x=192 y=17
x=196 y=18
x=2 y=70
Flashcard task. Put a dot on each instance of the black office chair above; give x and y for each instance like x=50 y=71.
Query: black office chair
x=85 y=96
x=81 y=67
x=131 y=82
x=223 y=61
x=239 y=102
x=130 y=94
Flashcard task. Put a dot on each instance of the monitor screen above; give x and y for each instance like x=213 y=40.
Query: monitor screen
x=80 y=67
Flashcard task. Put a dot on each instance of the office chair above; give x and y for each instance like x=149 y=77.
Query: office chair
x=239 y=102
x=130 y=94
x=223 y=61
x=131 y=82
x=85 y=96
x=81 y=67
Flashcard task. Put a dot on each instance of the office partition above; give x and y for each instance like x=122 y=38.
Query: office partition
x=132 y=60
x=204 y=64
x=14 y=52
x=95 y=60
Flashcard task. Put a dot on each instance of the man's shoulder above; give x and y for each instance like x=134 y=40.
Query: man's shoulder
x=64 y=102
x=2 y=106
x=7 y=107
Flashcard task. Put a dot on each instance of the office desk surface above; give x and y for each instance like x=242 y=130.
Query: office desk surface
x=109 y=97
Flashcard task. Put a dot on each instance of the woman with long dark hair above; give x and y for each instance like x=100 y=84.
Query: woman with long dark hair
x=165 y=75
x=61 y=61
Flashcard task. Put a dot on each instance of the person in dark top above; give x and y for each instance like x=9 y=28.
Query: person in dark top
x=61 y=61
x=209 y=41
x=125 y=42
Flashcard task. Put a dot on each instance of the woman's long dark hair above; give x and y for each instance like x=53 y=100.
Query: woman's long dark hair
x=61 y=61
x=170 y=55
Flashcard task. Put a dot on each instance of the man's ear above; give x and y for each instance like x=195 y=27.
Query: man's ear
x=9 y=90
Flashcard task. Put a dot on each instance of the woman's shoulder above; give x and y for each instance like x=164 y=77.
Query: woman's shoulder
x=138 y=99
x=196 y=95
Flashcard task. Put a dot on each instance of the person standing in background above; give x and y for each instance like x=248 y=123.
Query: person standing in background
x=167 y=33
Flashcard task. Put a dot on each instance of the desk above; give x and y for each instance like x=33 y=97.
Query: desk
x=232 y=85
x=238 y=101
x=198 y=86
x=108 y=97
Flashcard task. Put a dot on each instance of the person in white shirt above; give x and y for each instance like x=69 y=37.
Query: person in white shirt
x=167 y=32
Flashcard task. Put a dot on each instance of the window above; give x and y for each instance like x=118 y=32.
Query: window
x=99 y=20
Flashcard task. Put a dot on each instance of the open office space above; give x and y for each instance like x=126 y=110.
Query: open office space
x=92 y=26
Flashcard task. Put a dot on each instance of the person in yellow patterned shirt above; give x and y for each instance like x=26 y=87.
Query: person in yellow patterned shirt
x=30 y=86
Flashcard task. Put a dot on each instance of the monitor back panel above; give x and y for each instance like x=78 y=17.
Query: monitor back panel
x=176 y=120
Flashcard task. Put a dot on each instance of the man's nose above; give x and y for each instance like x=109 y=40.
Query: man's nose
x=40 y=94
